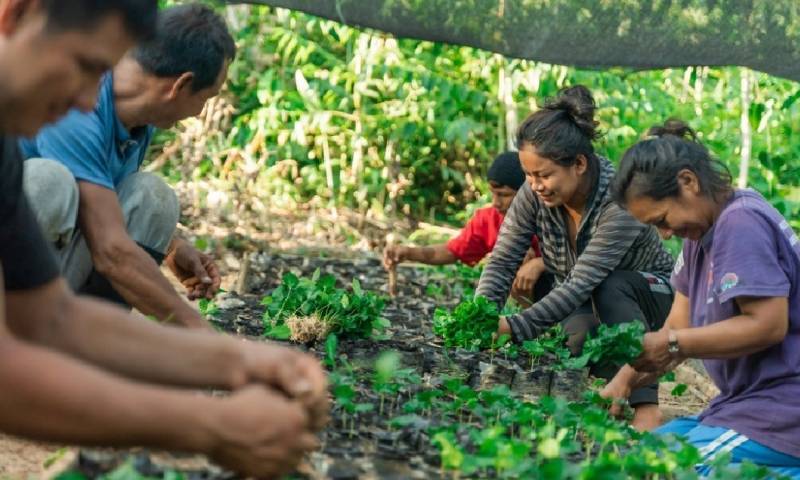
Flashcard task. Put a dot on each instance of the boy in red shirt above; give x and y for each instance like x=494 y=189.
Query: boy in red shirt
x=479 y=235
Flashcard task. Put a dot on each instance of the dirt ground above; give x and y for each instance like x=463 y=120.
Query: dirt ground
x=23 y=459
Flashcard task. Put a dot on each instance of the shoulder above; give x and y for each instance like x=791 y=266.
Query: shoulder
x=77 y=127
x=485 y=212
x=611 y=214
x=105 y=110
x=97 y=124
x=748 y=209
x=528 y=199
x=749 y=224
x=485 y=215
x=605 y=175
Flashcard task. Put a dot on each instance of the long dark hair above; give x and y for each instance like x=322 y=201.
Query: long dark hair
x=563 y=128
x=651 y=166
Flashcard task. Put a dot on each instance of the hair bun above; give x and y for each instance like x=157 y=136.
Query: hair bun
x=579 y=104
x=674 y=127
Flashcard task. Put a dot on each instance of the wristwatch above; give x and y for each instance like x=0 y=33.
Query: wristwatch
x=672 y=346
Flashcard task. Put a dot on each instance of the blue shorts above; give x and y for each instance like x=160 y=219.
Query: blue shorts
x=713 y=441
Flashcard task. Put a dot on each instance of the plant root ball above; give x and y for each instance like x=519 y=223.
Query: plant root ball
x=308 y=329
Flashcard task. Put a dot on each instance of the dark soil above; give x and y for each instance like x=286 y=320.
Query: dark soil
x=366 y=445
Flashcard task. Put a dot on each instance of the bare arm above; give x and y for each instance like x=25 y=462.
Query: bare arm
x=510 y=250
x=129 y=268
x=104 y=335
x=432 y=255
x=762 y=324
x=60 y=399
x=55 y=398
x=52 y=397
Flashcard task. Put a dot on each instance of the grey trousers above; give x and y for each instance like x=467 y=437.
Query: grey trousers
x=149 y=206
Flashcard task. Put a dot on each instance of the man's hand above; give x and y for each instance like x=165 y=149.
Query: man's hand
x=655 y=357
x=298 y=375
x=527 y=276
x=258 y=432
x=393 y=255
x=196 y=271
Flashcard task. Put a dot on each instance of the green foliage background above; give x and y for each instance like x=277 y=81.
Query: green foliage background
x=319 y=114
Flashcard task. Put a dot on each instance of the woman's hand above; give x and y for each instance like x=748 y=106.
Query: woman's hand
x=527 y=276
x=617 y=390
x=655 y=357
x=503 y=328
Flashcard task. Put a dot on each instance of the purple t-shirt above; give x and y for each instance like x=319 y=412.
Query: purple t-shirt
x=750 y=251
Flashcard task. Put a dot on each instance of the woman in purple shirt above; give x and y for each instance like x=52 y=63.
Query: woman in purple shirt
x=737 y=301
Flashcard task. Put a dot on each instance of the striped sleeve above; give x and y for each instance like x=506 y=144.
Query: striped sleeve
x=513 y=242
x=616 y=233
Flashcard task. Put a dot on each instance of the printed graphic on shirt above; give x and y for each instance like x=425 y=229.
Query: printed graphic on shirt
x=728 y=281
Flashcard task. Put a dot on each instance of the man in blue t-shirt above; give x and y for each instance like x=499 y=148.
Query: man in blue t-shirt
x=111 y=224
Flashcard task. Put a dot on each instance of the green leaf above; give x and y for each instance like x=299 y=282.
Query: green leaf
x=71 y=476
x=386 y=366
x=290 y=279
x=326 y=282
x=679 y=389
x=452 y=456
x=668 y=377
x=790 y=100
x=349 y=315
x=549 y=448
x=364 y=407
x=279 y=332
x=613 y=345
x=170 y=475
x=471 y=325
x=357 y=288
x=331 y=344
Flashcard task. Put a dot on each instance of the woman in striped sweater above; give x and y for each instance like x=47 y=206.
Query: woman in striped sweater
x=601 y=263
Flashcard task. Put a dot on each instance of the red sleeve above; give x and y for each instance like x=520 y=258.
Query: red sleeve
x=471 y=245
x=535 y=246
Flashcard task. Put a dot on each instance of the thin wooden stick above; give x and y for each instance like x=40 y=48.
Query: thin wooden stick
x=393 y=281
x=392 y=285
